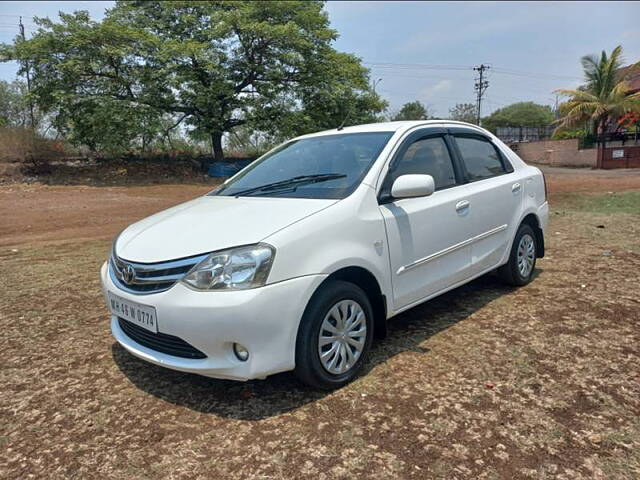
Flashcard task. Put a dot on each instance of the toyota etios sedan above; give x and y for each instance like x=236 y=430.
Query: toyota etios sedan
x=297 y=261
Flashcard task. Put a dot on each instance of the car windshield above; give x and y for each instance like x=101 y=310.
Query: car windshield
x=329 y=166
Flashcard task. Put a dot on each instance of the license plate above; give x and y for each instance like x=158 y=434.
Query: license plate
x=142 y=315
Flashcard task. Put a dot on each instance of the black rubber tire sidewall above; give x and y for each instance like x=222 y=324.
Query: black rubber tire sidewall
x=510 y=272
x=308 y=367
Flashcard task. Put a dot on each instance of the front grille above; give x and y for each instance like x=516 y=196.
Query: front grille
x=145 y=278
x=160 y=342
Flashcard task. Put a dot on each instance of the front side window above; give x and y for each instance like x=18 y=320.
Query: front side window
x=329 y=166
x=428 y=156
x=480 y=158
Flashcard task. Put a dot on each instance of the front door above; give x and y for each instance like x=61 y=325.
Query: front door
x=426 y=235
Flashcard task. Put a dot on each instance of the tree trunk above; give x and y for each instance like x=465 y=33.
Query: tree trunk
x=167 y=135
x=216 y=146
x=600 y=135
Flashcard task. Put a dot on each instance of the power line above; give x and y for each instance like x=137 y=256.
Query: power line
x=401 y=75
x=412 y=66
x=502 y=71
x=535 y=75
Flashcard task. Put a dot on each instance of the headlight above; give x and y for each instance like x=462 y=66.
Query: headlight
x=234 y=269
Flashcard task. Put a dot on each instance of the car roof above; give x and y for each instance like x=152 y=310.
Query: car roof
x=396 y=126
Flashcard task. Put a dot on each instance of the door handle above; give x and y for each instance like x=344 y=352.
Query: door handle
x=515 y=188
x=463 y=205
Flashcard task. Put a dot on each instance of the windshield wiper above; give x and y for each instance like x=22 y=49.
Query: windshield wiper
x=290 y=182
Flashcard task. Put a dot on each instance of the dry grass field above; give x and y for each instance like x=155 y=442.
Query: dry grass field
x=485 y=382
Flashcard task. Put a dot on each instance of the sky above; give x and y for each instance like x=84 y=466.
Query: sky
x=426 y=50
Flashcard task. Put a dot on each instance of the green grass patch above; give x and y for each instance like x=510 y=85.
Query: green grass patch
x=610 y=203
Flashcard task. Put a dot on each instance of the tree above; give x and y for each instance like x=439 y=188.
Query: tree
x=463 y=112
x=108 y=125
x=521 y=114
x=211 y=65
x=247 y=142
x=605 y=96
x=14 y=109
x=412 y=111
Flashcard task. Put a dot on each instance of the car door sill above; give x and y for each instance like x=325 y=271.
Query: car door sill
x=451 y=249
x=443 y=291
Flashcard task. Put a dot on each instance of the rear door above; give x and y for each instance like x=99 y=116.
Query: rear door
x=426 y=235
x=494 y=194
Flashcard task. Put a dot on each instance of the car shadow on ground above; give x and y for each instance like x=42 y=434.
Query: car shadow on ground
x=260 y=399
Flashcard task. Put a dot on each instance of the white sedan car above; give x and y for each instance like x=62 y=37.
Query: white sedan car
x=297 y=261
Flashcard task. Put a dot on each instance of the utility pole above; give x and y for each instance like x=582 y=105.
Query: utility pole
x=28 y=74
x=481 y=86
x=375 y=83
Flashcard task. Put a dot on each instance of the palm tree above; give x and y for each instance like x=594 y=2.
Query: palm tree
x=605 y=96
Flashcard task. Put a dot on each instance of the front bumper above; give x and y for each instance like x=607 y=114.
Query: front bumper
x=265 y=320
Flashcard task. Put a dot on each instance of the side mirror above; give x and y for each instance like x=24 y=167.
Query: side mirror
x=409 y=186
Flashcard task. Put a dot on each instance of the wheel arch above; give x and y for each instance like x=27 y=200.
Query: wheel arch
x=367 y=281
x=533 y=221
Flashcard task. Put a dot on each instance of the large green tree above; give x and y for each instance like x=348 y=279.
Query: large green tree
x=464 y=112
x=211 y=65
x=521 y=114
x=605 y=96
x=412 y=111
x=14 y=107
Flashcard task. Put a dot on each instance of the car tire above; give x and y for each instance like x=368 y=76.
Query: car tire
x=332 y=323
x=518 y=271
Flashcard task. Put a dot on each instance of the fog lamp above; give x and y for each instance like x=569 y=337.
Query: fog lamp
x=241 y=352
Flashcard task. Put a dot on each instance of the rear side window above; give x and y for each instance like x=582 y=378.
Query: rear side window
x=480 y=157
x=428 y=156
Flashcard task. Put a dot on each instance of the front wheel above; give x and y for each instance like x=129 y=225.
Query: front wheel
x=519 y=269
x=335 y=335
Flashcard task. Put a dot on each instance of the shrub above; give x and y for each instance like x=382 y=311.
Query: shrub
x=568 y=134
x=25 y=146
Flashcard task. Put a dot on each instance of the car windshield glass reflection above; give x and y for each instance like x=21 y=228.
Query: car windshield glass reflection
x=328 y=166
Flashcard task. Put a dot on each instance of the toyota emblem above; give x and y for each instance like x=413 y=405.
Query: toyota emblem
x=128 y=274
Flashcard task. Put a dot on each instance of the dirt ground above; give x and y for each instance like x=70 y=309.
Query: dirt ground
x=42 y=214
x=583 y=180
x=485 y=382
x=37 y=213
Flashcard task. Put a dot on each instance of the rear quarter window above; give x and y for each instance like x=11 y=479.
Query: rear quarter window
x=481 y=158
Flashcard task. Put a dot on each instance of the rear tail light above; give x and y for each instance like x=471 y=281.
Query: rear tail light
x=546 y=193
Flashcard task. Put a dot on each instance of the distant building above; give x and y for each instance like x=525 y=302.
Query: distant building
x=632 y=76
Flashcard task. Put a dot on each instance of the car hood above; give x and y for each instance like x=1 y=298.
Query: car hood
x=211 y=223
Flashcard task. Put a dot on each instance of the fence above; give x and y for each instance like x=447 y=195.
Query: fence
x=619 y=139
x=524 y=134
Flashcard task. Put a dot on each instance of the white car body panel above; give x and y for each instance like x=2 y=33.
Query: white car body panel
x=415 y=248
x=421 y=255
x=211 y=223
x=347 y=234
x=494 y=214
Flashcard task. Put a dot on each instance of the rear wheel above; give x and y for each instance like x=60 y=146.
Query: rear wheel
x=519 y=269
x=334 y=335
